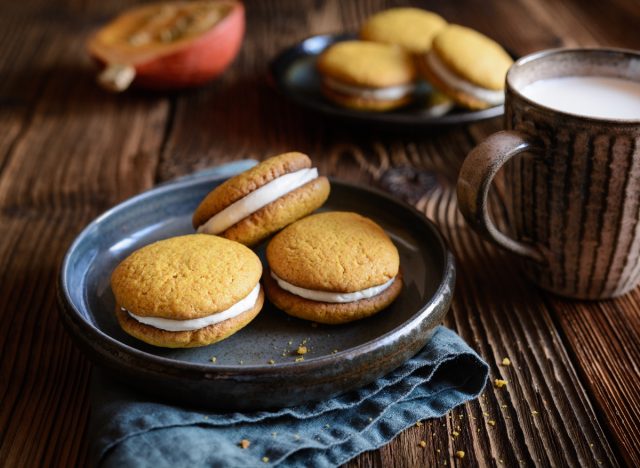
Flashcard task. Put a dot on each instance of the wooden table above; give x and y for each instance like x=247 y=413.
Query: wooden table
x=68 y=151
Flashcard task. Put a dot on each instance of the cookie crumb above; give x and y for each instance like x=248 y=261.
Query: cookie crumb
x=244 y=443
x=271 y=361
x=419 y=423
x=460 y=454
x=491 y=422
x=299 y=359
x=422 y=444
x=334 y=351
x=500 y=383
x=455 y=433
x=506 y=362
x=213 y=359
x=438 y=450
x=302 y=350
x=265 y=459
x=534 y=412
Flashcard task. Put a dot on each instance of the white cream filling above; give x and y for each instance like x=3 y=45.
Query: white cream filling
x=328 y=296
x=389 y=93
x=195 y=324
x=257 y=199
x=489 y=96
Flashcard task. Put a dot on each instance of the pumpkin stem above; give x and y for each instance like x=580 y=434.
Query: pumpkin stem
x=116 y=77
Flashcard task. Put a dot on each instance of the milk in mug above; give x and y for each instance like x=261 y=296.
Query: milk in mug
x=589 y=96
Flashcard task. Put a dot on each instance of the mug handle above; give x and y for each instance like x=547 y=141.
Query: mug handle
x=477 y=172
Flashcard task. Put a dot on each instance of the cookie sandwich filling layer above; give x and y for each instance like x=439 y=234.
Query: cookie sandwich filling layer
x=490 y=96
x=195 y=324
x=390 y=93
x=257 y=199
x=333 y=297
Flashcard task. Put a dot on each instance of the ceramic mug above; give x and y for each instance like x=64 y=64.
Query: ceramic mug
x=572 y=182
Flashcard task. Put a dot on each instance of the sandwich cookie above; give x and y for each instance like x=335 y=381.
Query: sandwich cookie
x=410 y=28
x=262 y=200
x=467 y=66
x=367 y=75
x=187 y=291
x=333 y=268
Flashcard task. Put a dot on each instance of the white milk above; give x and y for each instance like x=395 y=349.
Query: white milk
x=590 y=96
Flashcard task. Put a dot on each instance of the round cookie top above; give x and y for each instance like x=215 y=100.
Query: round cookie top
x=334 y=251
x=185 y=277
x=246 y=182
x=473 y=56
x=367 y=64
x=411 y=28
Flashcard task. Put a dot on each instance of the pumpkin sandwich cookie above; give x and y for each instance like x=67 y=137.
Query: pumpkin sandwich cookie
x=332 y=267
x=410 y=28
x=367 y=75
x=187 y=291
x=262 y=200
x=467 y=66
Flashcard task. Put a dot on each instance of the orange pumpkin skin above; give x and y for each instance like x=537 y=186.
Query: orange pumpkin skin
x=204 y=59
x=195 y=62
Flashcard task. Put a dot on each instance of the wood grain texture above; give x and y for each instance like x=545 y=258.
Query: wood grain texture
x=69 y=151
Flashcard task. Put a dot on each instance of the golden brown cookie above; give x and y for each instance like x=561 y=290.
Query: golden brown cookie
x=330 y=313
x=367 y=75
x=410 y=28
x=467 y=66
x=187 y=291
x=262 y=200
x=188 y=338
x=332 y=267
x=363 y=103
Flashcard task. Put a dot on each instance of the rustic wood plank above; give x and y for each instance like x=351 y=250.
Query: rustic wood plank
x=602 y=337
x=68 y=151
x=566 y=431
x=502 y=315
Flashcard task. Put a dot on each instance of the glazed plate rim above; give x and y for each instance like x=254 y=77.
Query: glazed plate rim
x=102 y=340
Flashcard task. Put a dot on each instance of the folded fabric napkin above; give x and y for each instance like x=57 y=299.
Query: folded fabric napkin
x=132 y=429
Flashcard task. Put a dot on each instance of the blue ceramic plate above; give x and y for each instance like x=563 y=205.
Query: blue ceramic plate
x=294 y=74
x=339 y=357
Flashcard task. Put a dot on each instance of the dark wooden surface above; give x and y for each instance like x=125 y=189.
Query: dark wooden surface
x=68 y=151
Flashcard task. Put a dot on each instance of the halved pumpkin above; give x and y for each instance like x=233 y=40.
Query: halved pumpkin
x=169 y=45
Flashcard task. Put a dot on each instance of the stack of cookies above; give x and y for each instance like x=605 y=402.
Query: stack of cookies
x=197 y=289
x=397 y=47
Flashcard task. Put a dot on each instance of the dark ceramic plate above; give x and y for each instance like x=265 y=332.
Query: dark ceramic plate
x=242 y=378
x=294 y=73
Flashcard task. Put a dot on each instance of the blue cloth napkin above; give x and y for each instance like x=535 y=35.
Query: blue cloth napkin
x=130 y=429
